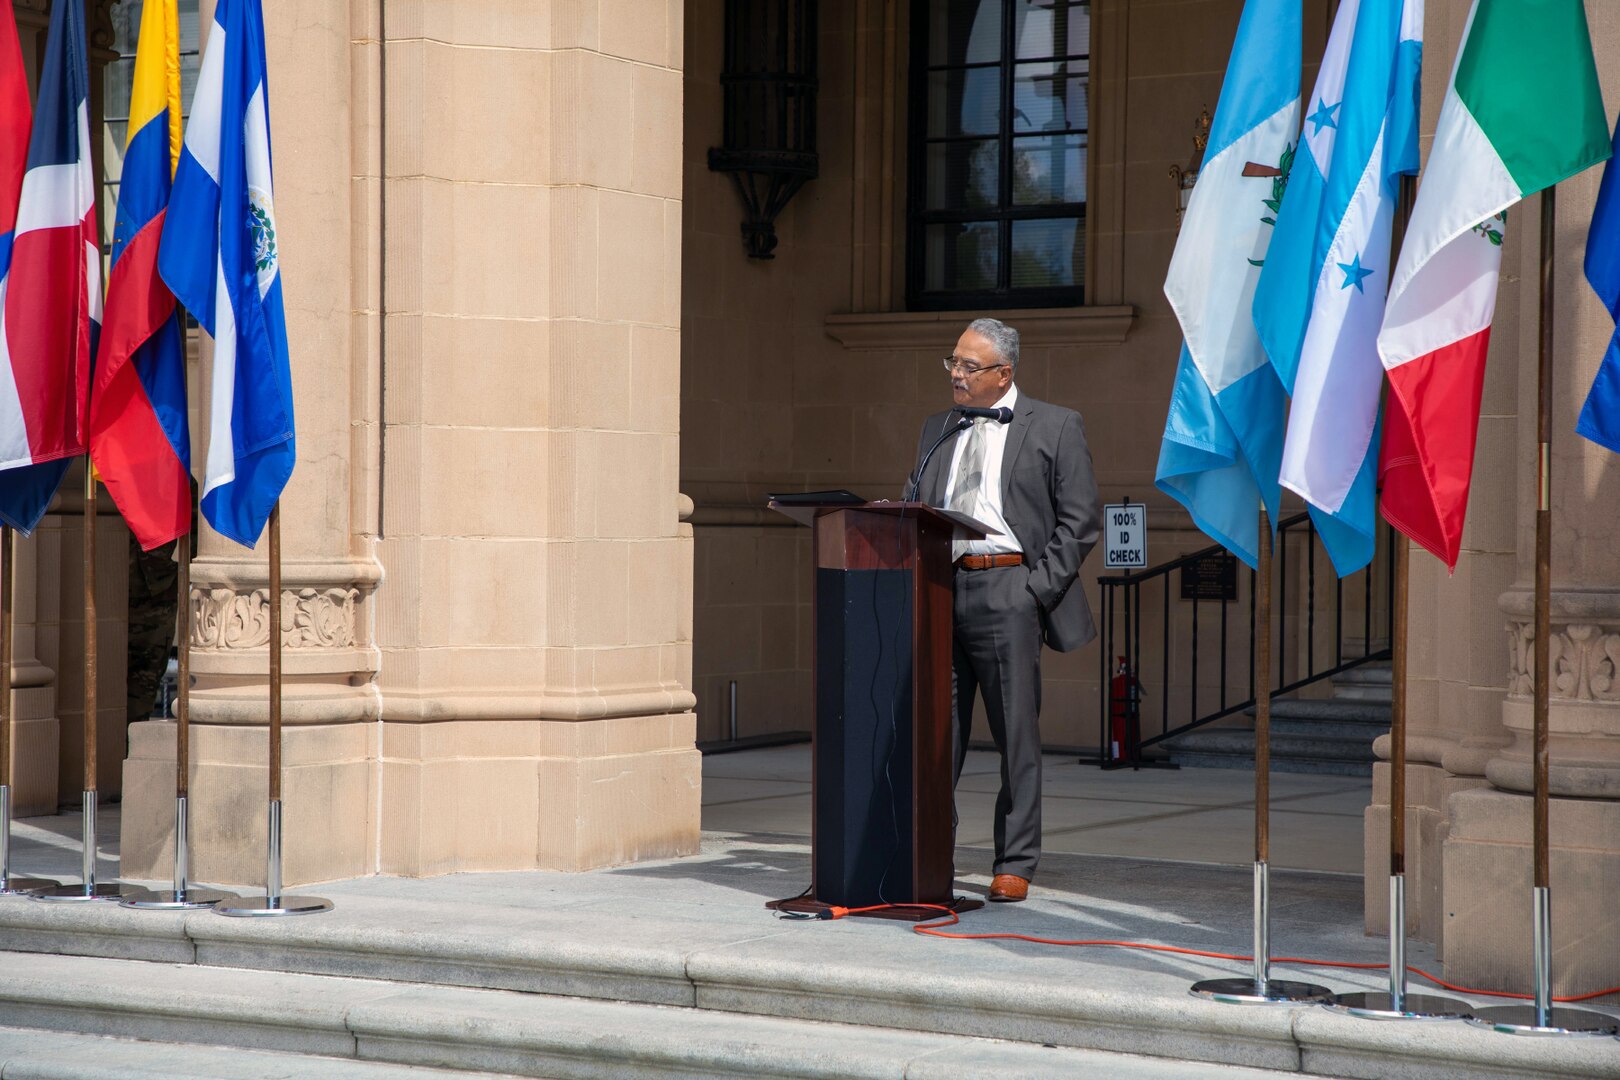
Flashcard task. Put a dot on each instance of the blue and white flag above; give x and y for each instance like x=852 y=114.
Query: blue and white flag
x=1320 y=301
x=1223 y=437
x=219 y=257
x=1600 y=416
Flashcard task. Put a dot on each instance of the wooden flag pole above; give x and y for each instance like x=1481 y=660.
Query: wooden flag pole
x=8 y=884
x=1397 y=1004
x=1261 y=989
x=1541 y=1017
x=90 y=889
x=183 y=895
x=274 y=902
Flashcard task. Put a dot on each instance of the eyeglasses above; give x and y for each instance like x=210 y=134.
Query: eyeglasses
x=955 y=366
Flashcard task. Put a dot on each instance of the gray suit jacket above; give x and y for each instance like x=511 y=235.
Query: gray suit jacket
x=1049 y=498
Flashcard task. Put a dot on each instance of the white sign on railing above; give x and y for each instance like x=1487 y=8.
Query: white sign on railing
x=1124 y=536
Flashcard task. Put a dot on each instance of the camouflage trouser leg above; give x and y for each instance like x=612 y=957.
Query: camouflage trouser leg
x=153 y=607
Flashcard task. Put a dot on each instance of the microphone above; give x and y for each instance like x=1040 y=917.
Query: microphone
x=1001 y=416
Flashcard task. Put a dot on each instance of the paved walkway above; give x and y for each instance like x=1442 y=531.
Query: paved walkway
x=1186 y=815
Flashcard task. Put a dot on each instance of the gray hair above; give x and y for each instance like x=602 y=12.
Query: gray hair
x=1001 y=336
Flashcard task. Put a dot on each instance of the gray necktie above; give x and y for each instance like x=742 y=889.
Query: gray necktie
x=967 y=490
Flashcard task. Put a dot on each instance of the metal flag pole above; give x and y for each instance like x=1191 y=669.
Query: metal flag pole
x=89 y=889
x=1542 y=1017
x=1261 y=989
x=273 y=902
x=183 y=895
x=1396 y=1003
x=8 y=884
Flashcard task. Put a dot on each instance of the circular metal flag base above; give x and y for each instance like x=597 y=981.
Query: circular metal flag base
x=21 y=886
x=169 y=900
x=1246 y=991
x=79 y=893
x=264 y=907
x=1380 y=1005
x=1560 y=1020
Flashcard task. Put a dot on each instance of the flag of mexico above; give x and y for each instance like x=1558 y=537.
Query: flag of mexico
x=1522 y=112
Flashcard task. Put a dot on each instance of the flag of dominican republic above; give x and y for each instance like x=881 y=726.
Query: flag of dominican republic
x=1600 y=416
x=1320 y=300
x=52 y=301
x=1523 y=112
x=1223 y=436
x=219 y=254
x=140 y=440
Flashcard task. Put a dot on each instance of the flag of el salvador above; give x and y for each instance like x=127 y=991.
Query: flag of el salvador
x=219 y=255
x=1600 y=416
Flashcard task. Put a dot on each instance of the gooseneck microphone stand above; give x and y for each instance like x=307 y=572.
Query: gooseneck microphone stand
x=916 y=481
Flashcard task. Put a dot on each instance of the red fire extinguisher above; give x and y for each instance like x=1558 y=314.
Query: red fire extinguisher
x=1123 y=693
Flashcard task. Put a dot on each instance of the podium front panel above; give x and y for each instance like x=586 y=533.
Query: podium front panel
x=864 y=748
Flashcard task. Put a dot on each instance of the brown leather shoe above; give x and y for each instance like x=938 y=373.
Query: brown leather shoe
x=1008 y=888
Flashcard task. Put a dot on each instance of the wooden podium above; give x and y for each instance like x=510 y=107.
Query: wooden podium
x=881 y=780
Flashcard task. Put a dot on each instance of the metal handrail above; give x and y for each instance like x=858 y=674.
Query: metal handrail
x=1121 y=601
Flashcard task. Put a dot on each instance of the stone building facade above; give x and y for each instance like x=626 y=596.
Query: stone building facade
x=542 y=392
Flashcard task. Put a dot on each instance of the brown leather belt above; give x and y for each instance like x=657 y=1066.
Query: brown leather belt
x=985 y=562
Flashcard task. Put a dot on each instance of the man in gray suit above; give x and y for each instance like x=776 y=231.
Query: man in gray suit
x=1031 y=480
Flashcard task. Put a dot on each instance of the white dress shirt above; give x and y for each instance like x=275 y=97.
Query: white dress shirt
x=1001 y=540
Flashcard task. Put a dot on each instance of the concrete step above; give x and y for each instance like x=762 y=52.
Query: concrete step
x=1290 y=708
x=359 y=1029
x=1368 y=682
x=652 y=970
x=31 y=1054
x=1233 y=748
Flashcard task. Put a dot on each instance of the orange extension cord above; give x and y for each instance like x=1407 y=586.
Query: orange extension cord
x=936 y=929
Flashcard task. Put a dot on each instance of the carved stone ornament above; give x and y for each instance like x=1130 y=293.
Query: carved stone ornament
x=1585 y=659
x=310 y=618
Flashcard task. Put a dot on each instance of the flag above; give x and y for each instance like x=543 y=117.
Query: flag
x=52 y=302
x=1320 y=300
x=219 y=254
x=140 y=440
x=1522 y=112
x=1600 y=416
x=1223 y=436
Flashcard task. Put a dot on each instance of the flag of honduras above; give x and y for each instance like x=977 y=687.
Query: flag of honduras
x=1320 y=301
x=219 y=255
x=139 y=436
x=1223 y=437
x=52 y=290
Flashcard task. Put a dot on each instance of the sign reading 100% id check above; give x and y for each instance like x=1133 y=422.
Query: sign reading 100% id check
x=1125 y=536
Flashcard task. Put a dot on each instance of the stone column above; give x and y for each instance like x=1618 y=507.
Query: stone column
x=535 y=625
x=1487 y=855
x=328 y=573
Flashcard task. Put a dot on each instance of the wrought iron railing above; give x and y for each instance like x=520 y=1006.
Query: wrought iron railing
x=1193 y=641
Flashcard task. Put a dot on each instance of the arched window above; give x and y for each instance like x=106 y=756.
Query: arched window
x=997 y=190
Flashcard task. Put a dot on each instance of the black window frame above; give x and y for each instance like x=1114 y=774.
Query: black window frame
x=919 y=217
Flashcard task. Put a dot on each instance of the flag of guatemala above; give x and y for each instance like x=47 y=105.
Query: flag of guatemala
x=1600 y=416
x=1320 y=301
x=219 y=255
x=52 y=285
x=1223 y=436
